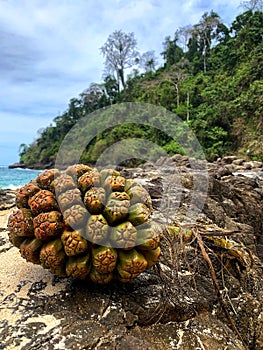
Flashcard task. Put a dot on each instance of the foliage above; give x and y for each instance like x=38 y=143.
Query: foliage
x=148 y=61
x=211 y=78
x=172 y=52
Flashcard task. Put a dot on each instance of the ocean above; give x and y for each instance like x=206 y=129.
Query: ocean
x=14 y=178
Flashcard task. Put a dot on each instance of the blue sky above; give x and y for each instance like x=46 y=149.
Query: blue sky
x=50 y=52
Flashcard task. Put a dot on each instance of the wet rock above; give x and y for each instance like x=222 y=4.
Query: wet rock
x=7 y=199
x=35 y=166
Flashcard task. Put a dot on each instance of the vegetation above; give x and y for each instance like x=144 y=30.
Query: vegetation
x=211 y=78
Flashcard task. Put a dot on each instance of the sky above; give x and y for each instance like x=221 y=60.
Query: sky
x=50 y=52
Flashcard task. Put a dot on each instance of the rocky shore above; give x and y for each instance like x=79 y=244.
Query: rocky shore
x=187 y=301
x=7 y=199
x=232 y=163
x=36 y=166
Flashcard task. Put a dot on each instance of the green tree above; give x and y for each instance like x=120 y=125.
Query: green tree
x=172 y=51
x=248 y=31
x=184 y=35
x=206 y=32
x=148 y=61
x=22 y=150
x=112 y=88
x=94 y=98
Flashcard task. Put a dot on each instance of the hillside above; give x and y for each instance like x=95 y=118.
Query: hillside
x=213 y=83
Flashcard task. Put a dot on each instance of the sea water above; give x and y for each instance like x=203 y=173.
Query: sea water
x=14 y=178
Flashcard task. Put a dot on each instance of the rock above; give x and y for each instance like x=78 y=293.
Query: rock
x=7 y=199
x=228 y=159
x=247 y=165
x=17 y=165
x=238 y=161
x=172 y=306
x=223 y=171
x=235 y=164
x=35 y=166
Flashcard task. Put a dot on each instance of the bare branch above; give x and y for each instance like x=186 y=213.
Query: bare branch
x=120 y=53
x=252 y=5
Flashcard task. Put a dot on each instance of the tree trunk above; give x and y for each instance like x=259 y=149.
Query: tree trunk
x=121 y=74
x=204 y=54
x=177 y=95
x=187 y=103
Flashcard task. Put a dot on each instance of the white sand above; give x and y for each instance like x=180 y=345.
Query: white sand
x=16 y=279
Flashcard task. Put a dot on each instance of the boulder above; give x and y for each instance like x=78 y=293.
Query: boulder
x=7 y=199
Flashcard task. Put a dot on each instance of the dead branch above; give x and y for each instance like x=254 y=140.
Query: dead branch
x=216 y=284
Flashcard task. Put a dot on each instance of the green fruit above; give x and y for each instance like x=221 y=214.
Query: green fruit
x=97 y=229
x=30 y=250
x=24 y=193
x=48 y=225
x=152 y=256
x=117 y=207
x=104 y=259
x=139 y=194
x=52 y=254
x=123 y=235
x=68 y=198
x=73 y=242
x=101 y=278
x=129 y=184
x=43 y=201
x=20 y=223
x=87 y=224
x=79 y=266
x=45 y=180
x=148 y=236
x=132 y=264
x=75 y=216
x=94 y=200
x=139 y=214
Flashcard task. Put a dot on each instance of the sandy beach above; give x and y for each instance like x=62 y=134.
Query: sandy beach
x=14 y=268
x=17 y=278
x=4 y=218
